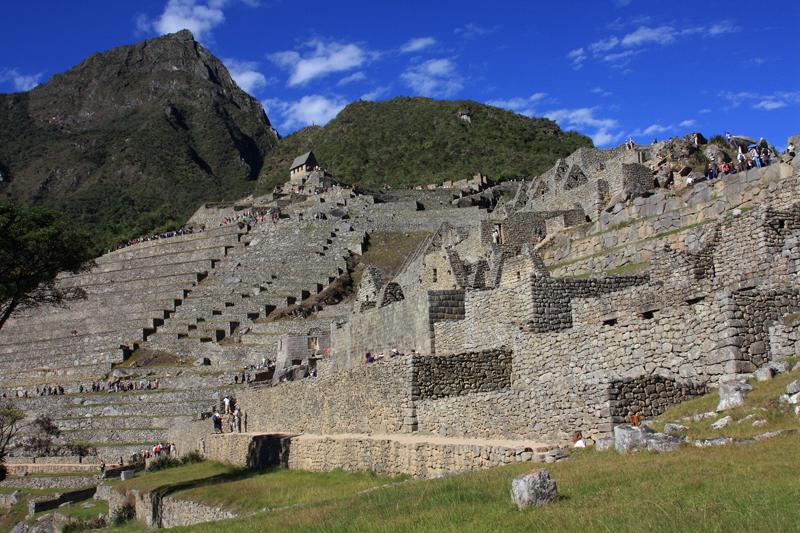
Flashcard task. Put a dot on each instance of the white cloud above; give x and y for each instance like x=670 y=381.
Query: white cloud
x=577 y=56
x=472 y=31
x=320 y=59
x=310 y=109
x=582 y=118
x=352 y=78
x=21 y=82
x=769 y=104
x=646 y=35
x=704 y=111
x=245 y=75
x=763 y=102
x=600 y=91
x=604 y=45
x=376 y=93
x=522 y=105
x=435 y=77
x=199 y=17
x=415 y=45
x=688 y=123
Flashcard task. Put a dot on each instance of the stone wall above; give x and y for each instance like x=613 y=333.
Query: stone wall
x=455 y=375
x=363 y=399
x=175 y=512
x=784 y=339
x=389 y=456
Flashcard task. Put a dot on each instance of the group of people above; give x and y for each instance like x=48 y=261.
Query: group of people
x=156 y=451
x=45 y=390
x=232 y=417
x=156 y=236
x=251 y=218
x=120 y=385
x=370 y=358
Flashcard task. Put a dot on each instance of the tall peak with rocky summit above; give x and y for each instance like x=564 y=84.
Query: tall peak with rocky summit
x=92 y=141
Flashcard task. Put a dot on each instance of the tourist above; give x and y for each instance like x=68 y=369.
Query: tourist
x=756 y=158
x=368 y=359
x=728 y=137
x=216 y=420
x=713 y=171
x=790 y=150
x=741 y=158
x=226 y=402
x=577 y=440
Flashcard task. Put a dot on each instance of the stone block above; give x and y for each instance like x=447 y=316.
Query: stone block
x=534 y=489
x=126 y=475
x=732 y=394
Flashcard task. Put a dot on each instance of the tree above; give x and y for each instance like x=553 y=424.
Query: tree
x=35 y=245
x=10 y=418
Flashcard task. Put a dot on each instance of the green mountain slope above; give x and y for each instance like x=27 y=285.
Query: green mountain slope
x=133 y=138
x=413 y=141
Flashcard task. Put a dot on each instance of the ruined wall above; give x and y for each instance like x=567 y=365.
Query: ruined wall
x=363 y=399
x=404 y=325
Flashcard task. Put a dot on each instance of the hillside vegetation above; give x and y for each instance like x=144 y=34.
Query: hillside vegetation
x=415 y=141
x=133 y=138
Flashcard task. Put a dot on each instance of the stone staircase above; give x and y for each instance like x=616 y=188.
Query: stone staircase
x=275 y=266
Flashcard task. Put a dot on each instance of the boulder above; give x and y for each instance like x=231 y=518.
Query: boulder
x=674 y=429
x=603 y=444
x=793 y=387
x=126 y=475
x=706 y=443
x=661 y=443
x=628 y=438
x=716 y=153
x=764 y=373
x=536 y=488
x=721 y=423
x=794 y=399
x=732 y=394
x=555 y=455
x=779 y=367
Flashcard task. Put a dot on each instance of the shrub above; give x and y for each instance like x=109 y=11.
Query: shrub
x=163 y=462
x=191 y=458
x=126 y=513
x=86 y=525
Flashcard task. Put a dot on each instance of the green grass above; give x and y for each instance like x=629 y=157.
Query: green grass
x=176 y=476
x=749 y=487
x=387 y=251
x=630 y=269
x=760 y=404
x=555 y=266
x=243 y=492
x=736 y=488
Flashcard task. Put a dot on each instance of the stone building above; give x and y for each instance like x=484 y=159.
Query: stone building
x=301 y=167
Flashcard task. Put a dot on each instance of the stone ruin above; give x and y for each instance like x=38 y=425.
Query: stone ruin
x=590 y=294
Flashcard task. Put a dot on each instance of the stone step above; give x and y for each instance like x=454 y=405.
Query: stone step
x=172 y=281
x=77 y=343
x=166 y=248
x=82 y=280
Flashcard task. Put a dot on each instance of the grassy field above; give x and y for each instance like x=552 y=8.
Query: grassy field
x=743 y=487
x=734 y=488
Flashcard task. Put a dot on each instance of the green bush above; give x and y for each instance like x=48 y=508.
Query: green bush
x=126 y=513
x=191 y=458
x=163 y=462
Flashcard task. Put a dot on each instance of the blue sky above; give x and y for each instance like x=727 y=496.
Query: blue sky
x=607 y=68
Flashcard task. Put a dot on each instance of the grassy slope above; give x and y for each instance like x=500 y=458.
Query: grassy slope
x=721 y=489
x=731 y=488
x=412 y=141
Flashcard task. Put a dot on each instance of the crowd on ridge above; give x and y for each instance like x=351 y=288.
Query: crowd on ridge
x=251 y=218
x=157 y=236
